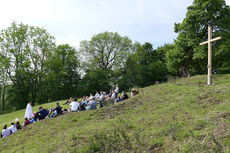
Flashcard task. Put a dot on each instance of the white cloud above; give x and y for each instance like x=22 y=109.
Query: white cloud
x=228 y=2
x=140 y=5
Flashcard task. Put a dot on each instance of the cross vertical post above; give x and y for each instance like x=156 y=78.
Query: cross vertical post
x=209 y=56
x=209 y=42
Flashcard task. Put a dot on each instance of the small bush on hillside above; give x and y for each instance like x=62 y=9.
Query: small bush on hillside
x=120 y=139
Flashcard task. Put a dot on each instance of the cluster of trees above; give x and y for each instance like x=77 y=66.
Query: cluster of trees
x=185 y=54
x=33 y=67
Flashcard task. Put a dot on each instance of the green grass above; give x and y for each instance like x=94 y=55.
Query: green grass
x=182 y=115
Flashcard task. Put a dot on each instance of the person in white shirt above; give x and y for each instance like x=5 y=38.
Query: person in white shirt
x=74 y=105
x=113 y=95
x=28 y=112
x=5 y=132
x=13 y=128
x=101 y=99
x=91 y=96
x=102 y=96
x=97 y=96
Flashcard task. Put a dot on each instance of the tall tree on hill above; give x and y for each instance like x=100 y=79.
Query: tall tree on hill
x=105 y=51
x=187 y=56
x=103 y=54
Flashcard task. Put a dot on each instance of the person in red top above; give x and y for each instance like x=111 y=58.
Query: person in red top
x=26 y=122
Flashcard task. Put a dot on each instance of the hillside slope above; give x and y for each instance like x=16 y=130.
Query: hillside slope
x=183 y=115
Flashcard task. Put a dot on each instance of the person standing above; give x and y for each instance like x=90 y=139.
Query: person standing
x=28 y=112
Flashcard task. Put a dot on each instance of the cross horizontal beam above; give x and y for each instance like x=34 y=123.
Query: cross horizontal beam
x=210 y=41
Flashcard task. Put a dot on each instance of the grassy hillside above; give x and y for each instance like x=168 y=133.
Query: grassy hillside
x=183 y=115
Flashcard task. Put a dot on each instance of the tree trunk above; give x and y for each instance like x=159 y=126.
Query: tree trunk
x=3 y=97
x=183 y=72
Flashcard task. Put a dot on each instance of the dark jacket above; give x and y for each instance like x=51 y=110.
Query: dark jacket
x=58 y=109
x=42 y=114
x=125 y=96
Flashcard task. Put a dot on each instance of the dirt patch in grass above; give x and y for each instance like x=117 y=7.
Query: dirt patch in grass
x=221 y=130
x=225 y=115
x=214 y=101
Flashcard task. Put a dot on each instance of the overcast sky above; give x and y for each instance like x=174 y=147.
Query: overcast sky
x=71 y=21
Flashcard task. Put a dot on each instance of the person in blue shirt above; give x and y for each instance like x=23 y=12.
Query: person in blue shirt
x=92 y=104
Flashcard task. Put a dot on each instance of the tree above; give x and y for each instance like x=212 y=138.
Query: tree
x=25 y=48
x=63 y=73
x=143 y=68
x=3 y=80
x=105 y=51
x=96 y=80
x=187 y=56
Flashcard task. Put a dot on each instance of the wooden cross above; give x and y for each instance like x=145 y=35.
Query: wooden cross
x=209 y=42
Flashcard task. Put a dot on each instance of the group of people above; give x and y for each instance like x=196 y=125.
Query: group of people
x=87 y=103
x=12 y=129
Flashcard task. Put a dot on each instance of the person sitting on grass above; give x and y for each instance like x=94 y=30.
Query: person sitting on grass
x=113 y=97
x=84 y=101
x=5 y=132
x=92 y=104
x=41 y=114
x=64 y=111
x=74 y=105
x=97 y=96
x=26 y=122
x=134 y=92
x=101 y=99
x=68 y=101
x=116 y=90
x=12 y=128
x=56 y=111
x=109 y=94
x=91 y=96
x=123 y=96
x=81 y=106
x=33 y=119
x=18 y=125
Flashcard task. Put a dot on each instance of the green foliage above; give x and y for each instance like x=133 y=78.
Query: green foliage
x=188 y=57
x=143 y=68
x=33 y=68
x=105 y=51
x=63 y=73
x=96 y=80
x=24 y=50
